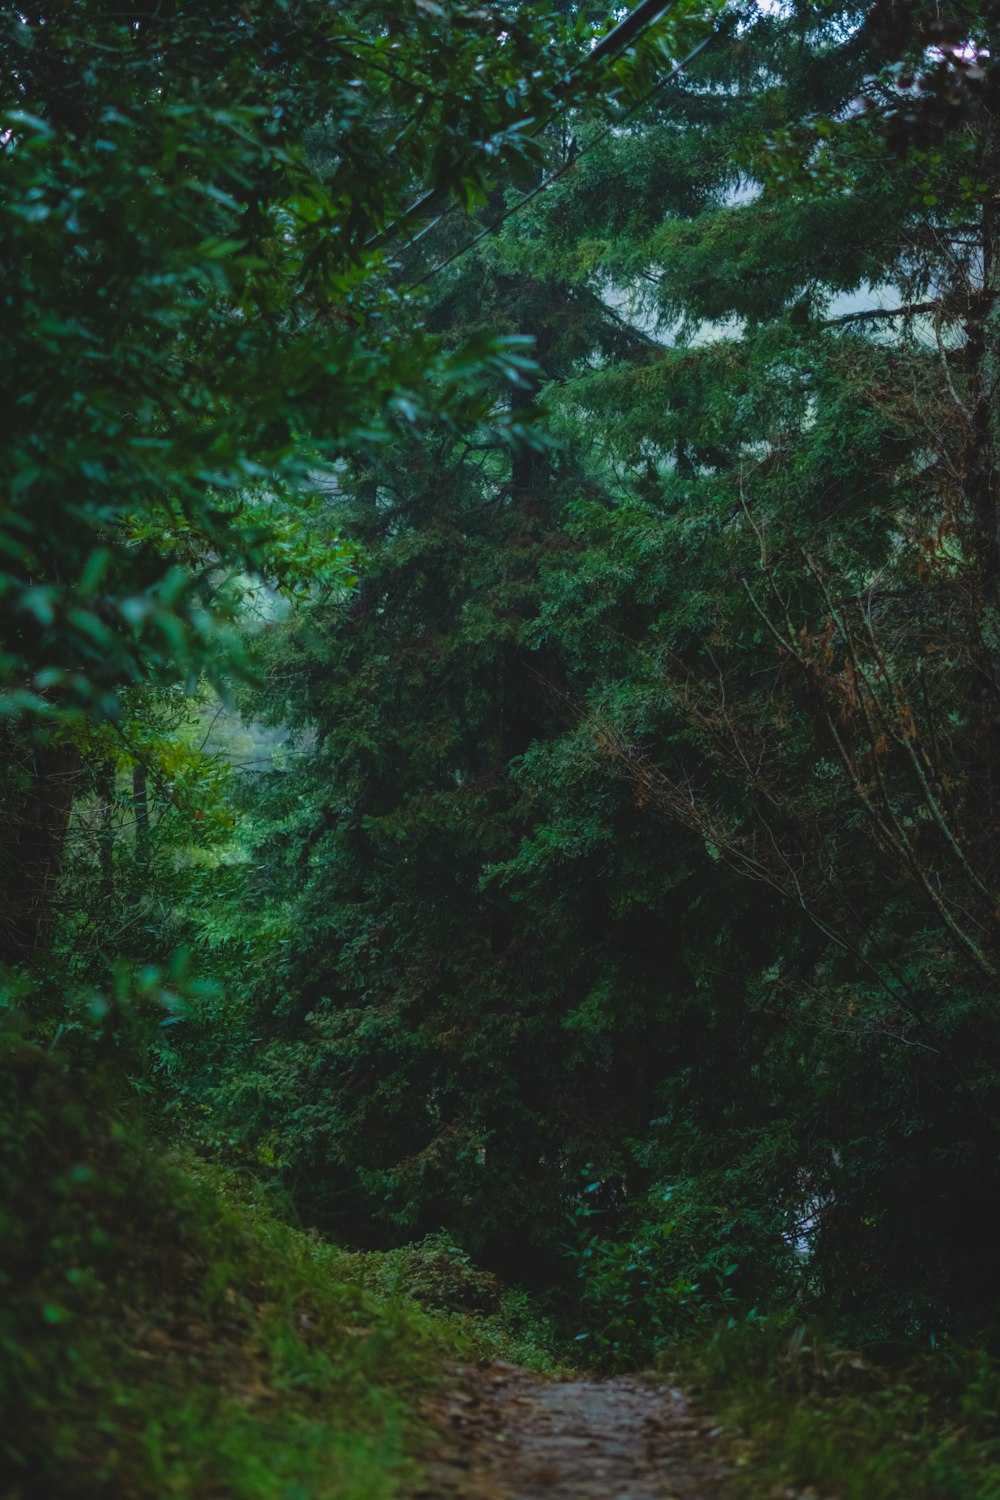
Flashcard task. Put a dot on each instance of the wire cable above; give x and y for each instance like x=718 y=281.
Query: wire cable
x=553 y=177
x=608 y=49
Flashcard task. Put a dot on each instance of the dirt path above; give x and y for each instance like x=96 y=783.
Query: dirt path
x=511 y=1435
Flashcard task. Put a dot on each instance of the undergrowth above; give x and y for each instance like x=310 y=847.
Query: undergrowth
x=501 y=1322
x=919 y=1426
x=163 y=1337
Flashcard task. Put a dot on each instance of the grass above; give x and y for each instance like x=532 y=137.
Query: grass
x=161 y=1338
x=500 y=1323
x=833 y=1422
x=239 y=1358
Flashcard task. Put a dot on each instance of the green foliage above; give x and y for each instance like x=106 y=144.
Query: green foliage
x=917 y=1423
x=204 y=327
x=200 y=326
x=163 y=1337
x=644 y=813
x=639 y=1295
x=623 y=614
x=440 y=1275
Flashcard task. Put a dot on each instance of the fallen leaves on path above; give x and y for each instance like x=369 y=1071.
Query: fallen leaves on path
x=512 y=1435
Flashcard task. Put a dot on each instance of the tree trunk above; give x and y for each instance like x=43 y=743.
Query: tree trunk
x=35 y=839
x=140 y=804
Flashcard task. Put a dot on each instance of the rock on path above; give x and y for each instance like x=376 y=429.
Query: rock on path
x=517 y=1436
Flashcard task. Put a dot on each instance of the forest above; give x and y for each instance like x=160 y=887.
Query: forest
x=499 y=748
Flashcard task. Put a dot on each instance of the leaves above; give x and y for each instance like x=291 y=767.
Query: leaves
x=199 y=304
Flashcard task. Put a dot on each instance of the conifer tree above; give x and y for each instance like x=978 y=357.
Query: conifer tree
x=656 y=767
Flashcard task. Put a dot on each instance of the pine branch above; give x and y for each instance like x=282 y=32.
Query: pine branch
x=869 y=314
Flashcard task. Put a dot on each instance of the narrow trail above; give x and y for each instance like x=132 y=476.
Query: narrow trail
x=511 y=1435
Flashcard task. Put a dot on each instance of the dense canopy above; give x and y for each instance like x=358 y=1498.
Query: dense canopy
x=500 y=672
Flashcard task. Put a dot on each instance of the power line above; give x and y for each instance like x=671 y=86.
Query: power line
x=610 y=47
x=626 y=32
x=561 y=171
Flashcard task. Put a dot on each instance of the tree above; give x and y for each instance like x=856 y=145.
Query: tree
x=455 y=1029
x=650 y=819
x=199 y=328
x=811 y=695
